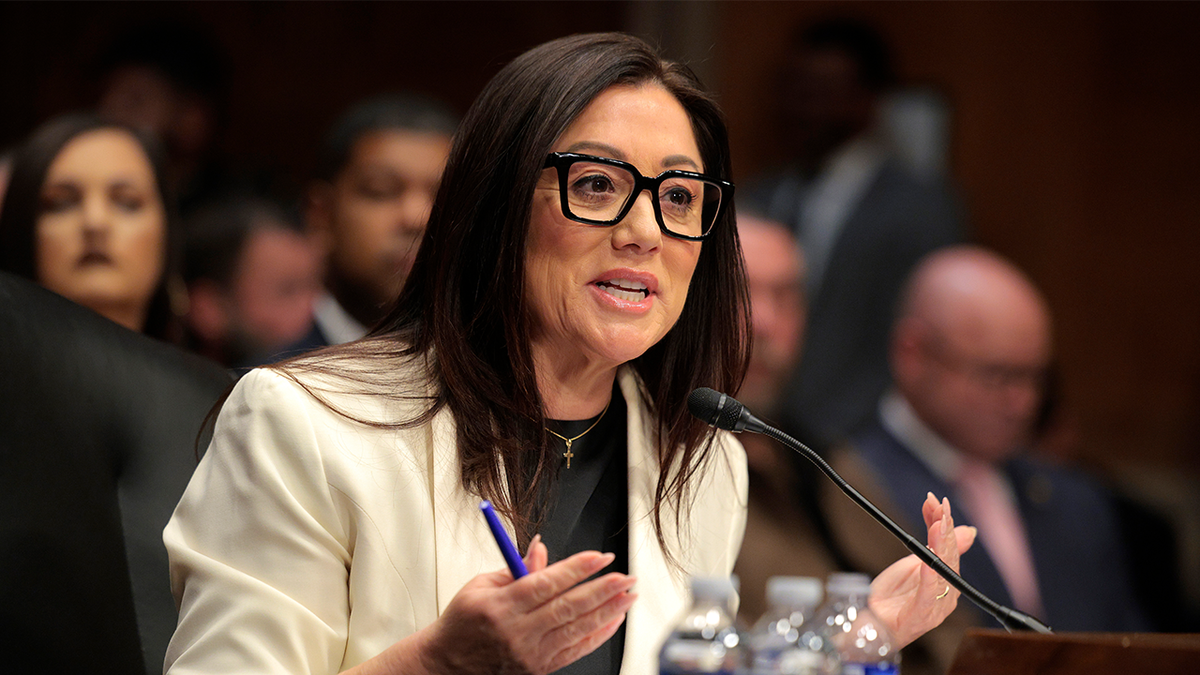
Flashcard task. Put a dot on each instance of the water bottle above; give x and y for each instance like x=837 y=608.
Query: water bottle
x=845 y=621
x=704 y=640
x=773 y=646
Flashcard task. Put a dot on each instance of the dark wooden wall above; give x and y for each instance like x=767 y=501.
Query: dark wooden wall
x=296 y=65
x=1075 y=142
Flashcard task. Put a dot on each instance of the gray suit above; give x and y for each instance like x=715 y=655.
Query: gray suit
x=844 y=368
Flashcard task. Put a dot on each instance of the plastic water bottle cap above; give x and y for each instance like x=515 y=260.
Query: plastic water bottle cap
x=713 y=589
x=848 y=583
x=794 y=591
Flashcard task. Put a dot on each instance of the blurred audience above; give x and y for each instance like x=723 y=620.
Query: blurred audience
x=86 y=215
x=969 y=351
x=252 y=276
x=169 y=79
x=377 y=173
x=775 y=270
x=781 y=532
x=799 y=523
x=863 y=217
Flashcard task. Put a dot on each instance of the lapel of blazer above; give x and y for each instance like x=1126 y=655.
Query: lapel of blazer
x=463 y=544
x=660 y=591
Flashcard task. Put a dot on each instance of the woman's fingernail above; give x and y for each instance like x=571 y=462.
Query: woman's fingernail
x=529 y=550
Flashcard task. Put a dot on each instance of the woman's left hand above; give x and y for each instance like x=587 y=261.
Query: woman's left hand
x=909 y=596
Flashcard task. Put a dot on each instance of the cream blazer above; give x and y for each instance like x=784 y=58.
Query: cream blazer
x=306 y=543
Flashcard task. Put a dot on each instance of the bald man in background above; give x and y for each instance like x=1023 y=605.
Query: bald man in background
x=969 y=353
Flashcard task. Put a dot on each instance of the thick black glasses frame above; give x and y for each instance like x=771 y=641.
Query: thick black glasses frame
x=562 y=160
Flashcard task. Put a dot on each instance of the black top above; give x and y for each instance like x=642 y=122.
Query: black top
x=589 y=510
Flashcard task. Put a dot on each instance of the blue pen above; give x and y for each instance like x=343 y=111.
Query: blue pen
x=515 y=564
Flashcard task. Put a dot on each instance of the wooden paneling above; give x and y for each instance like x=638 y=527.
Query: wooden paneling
x=1075 y=138
x=1076 y=143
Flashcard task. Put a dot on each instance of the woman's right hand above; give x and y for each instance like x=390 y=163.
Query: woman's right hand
x=536 y=624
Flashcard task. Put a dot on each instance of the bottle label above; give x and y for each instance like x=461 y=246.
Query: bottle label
x=794 y=661
x=685 y=657
x=870 y=669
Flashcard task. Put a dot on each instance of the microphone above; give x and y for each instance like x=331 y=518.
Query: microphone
x=725 y=412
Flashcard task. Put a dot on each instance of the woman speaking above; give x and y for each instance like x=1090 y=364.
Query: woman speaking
x=580 y=275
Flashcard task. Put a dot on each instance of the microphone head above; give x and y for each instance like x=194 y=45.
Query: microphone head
x=716 y=409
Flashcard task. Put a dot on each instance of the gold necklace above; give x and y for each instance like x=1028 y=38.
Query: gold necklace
x=568 y=454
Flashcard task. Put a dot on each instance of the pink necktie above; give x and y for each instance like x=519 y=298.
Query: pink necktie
x=986 y=500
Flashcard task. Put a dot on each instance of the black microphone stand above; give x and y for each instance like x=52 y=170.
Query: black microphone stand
x=1011 y=619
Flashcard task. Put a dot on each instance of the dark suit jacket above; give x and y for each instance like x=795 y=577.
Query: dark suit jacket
x=800 y=523
x=97 y=433
x=844 y=370
x=1073 y=533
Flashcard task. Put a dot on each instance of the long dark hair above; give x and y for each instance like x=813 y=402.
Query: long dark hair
x=22 y=207
x=464 y=306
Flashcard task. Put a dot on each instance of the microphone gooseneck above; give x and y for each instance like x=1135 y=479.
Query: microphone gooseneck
x=725 y=412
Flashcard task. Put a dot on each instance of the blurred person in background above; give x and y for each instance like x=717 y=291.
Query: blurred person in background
x=170 y=79
x=252 y=276
x=86 y=215
x=970 y=352
x=863 y=217
x=782 y=533
x=377 y=174
x=798 y=522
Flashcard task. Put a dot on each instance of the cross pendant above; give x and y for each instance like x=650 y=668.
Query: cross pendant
x=568 y=454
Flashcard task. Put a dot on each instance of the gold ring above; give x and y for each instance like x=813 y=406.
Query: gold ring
x=944 y=593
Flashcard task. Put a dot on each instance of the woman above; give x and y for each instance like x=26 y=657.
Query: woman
x=85 y=216
x=333 y=524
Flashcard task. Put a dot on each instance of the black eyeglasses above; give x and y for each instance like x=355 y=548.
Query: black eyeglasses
x=601 y=191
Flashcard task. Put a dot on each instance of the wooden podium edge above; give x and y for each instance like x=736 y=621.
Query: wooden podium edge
x=995 y=652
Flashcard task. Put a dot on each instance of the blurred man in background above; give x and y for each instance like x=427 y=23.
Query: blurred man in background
x=782 y=532
x=969 y=351
x=171 y=79
x=252 y=277
x=862 y=217
x=377 y=175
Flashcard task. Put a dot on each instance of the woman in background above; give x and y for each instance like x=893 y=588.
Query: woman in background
x=85 y=215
